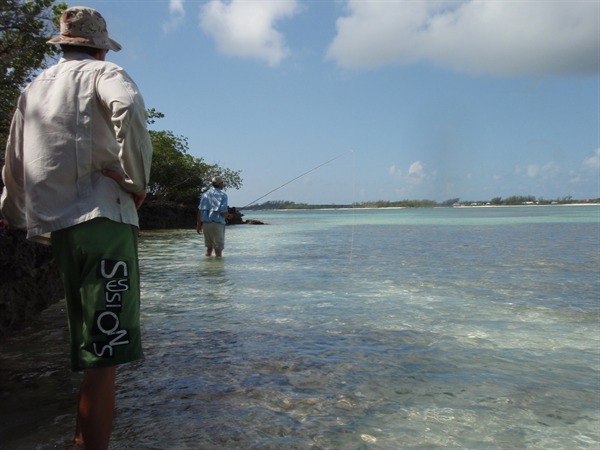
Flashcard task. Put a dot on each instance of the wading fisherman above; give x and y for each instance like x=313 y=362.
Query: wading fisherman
x=77 y=166
x=212 y=212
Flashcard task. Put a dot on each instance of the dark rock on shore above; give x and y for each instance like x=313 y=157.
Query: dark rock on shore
x=29 y=280
x=163 y=215
x=236 y=218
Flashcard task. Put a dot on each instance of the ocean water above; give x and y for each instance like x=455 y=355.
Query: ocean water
x=449 y=328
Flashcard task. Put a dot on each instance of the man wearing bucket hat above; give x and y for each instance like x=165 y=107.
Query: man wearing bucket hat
x=212 y=212
x=77 y=166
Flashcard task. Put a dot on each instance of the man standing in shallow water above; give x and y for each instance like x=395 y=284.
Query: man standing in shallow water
x=77 y=165
x=212 y=212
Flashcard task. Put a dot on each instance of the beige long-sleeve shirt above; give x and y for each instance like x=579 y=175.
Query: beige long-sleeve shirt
x=74 y=120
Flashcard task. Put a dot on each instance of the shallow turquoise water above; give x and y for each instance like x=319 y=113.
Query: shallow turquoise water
x=460 y=328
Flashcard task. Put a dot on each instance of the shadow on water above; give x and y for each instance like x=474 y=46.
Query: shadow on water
x=38 y=391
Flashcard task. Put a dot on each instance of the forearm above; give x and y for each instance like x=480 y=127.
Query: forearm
x=199 y=222
x=138 y=197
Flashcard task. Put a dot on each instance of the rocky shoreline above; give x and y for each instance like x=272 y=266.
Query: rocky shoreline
x=30 y=280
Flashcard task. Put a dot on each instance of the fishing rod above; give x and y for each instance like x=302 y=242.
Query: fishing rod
x=294 y=179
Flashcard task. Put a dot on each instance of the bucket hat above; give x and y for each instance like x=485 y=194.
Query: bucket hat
x=80 y=25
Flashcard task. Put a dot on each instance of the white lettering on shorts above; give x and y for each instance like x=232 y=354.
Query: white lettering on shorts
x=107 y=331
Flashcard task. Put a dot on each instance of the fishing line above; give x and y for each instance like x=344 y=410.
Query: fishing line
x=294 y=179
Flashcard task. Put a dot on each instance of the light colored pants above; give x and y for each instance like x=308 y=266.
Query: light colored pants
x=214 y=235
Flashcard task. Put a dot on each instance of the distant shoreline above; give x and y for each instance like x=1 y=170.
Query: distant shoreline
x=348 y=208
x=521 y=206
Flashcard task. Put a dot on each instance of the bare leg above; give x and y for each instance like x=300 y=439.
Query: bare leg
x=96 y=409
x=209 y=251
x=218 y=252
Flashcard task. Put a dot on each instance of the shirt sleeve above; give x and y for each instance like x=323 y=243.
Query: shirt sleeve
x=128 y=115
x=12 y=203
x=224 y=205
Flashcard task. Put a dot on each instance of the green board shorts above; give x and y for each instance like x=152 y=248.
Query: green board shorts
x=99 y=265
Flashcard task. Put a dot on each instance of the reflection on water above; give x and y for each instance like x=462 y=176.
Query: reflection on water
x=392 y=330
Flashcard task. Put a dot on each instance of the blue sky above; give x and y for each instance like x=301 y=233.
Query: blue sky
x=419 y=99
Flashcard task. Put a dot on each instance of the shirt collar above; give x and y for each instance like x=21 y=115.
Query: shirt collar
x=75 y=56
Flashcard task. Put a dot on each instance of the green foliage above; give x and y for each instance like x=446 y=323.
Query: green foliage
x=25 y=26
x=519 y=200
x=400 y=204
x=153 y=114
x=178 y=176
x=280 y=204
x=451 y=202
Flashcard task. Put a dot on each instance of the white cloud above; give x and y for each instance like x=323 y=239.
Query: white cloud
x=416 y=170
x=176 y=16
x=176 y=7
x=476 y=36
x=415 y=182
x=247 y=27
x=544 y=172
x=593 y=162
x=415 y=174
x=533 y=170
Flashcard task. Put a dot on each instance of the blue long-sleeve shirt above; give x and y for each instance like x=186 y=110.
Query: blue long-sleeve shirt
x=212 y=203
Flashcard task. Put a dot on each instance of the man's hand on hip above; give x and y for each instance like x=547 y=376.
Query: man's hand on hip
x=138 y=197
